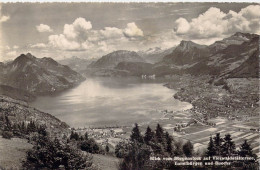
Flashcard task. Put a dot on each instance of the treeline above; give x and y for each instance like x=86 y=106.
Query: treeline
x=136 y=153
x=20 y=129
x=61 y=152
x=226 y=147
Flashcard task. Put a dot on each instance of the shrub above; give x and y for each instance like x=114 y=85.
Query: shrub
x=7 y=134
x=51 y=154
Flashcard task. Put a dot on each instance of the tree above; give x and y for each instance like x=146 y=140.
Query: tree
x=188 y=149
x=136 y=135
x=122 y=149
x=90 y=146
x=74 y=135
x=137 y=157
x=159 y=134
x=149 y=135
x=107 y=148
x=218 y=144
x=228 y=148
x=168 y=138
x=8 y=124
x=42 y=130
x=51 y=154
x=178 y=151
x=31 y=127
x=211 y=148
x=75 y=159
x=245 y=150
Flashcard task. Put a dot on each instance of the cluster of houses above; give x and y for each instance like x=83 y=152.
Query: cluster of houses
x=103 y=135
x=144 y=76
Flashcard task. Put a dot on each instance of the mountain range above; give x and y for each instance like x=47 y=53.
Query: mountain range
x=38 y=75
x=235 y=56
x=111 y=60
x=154 y=55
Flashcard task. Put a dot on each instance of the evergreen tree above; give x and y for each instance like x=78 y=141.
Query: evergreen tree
x=31 y=127
x=169 y=148
x=23 y=128
x=107 y=148
x=228 y=148
x=149 y=135
x=136 y=135
x=8 y=124
x=16 y=130
x=188 y=149
x=218 y=144
x=74 y=135
x=178 y=151
x=211 y=148
x=159 y=134
x=245 y=150
x=137 y=157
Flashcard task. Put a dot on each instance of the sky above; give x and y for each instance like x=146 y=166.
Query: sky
x=91 y=30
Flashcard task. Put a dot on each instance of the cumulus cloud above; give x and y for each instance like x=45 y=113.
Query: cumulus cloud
x=215 y=23
x=182 y=26
x=78 y=28
x=133 y=31
x=3 y=18
x=44 y=28
x=80 y=36
x=60 y=41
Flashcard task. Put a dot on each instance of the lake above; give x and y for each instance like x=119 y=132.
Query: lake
x=111 y=101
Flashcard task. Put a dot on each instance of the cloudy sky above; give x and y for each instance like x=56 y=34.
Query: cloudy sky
x=90 y=30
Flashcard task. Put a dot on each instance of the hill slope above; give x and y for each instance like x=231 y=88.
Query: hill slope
x=38 y=75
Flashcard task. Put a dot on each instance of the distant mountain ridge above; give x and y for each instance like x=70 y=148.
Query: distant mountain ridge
x=38 y=75
x=76 y=63
x=111 y=60
x=229 y=57
x=154 y=55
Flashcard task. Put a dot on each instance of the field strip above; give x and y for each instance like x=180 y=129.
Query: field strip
x=201 y=139
x=241 y=137
x=206 y=130
x=237 y=133
x=255 y=148
x=219 y=123
x=231 y=132
x=249 y=137
x=221 y=131
x=243 y=126
x=207 y=137
x=254 y=145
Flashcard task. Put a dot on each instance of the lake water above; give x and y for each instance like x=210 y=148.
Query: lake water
x=110 y=101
